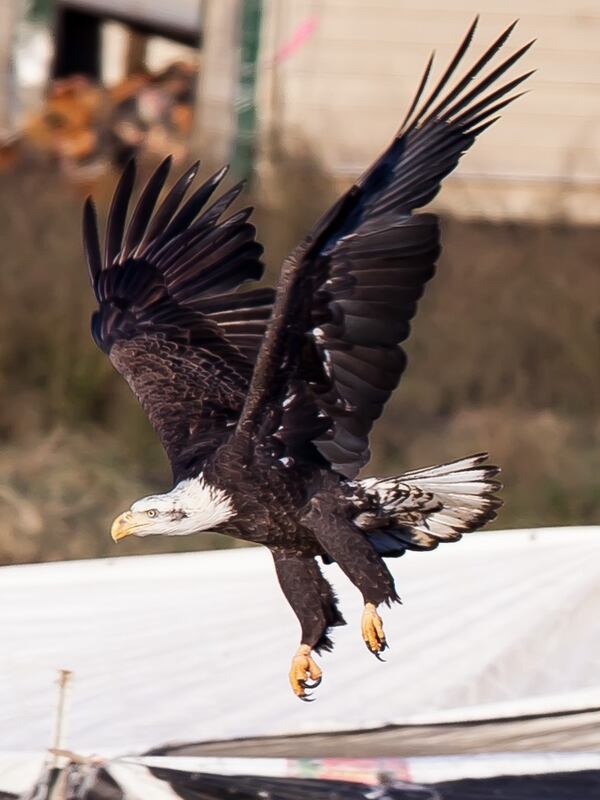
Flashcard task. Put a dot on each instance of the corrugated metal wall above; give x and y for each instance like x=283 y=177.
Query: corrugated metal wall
x=344 y=91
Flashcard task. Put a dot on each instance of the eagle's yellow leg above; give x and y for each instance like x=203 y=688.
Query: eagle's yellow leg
x=372 y=629
x=304 y=667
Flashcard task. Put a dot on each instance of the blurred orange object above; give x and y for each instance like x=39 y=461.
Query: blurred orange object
x=69 y=125
x=85 y=126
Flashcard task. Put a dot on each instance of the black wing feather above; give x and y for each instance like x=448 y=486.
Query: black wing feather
x=464 y=45
x=159 y=222
x=185 y=217
x=145 y=206
x=91 y=240
x=117 y=215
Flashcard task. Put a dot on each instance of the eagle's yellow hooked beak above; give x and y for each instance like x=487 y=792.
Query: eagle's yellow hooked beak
x=123 y=526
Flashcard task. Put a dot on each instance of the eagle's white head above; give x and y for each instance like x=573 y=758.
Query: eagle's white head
x=192 y=506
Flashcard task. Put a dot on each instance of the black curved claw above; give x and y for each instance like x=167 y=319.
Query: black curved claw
x=377 y=653
x=306 y=698
x=314 y=684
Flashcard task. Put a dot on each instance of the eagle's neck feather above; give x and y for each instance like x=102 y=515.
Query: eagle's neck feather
x=206 y=506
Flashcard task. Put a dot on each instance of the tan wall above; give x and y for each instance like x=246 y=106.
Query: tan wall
x=344 y=92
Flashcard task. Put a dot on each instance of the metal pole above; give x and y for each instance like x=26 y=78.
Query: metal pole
x=244 y=144
x=64 y=678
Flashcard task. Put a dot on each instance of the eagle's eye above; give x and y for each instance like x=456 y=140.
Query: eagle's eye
x=152 y=513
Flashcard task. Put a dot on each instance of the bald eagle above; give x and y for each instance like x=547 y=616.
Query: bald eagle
x=264 y=400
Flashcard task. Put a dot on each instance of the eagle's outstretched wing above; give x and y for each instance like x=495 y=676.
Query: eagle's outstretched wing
x=347 y=294
x=169 y=316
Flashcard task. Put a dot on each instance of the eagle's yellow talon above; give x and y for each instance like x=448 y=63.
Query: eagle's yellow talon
x=304 y=668
x=372 y=629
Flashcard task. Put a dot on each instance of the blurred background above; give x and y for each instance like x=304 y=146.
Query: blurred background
x=300 y=97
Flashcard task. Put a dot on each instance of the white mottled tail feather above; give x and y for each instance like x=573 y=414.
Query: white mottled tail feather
x=421 y=508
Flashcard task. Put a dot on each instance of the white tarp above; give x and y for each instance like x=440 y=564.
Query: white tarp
x=196 y=646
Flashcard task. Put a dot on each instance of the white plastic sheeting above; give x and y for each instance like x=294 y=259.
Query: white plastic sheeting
x=196 y=646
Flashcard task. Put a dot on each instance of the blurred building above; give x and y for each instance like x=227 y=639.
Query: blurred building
x=329 y=80
x=341 y=93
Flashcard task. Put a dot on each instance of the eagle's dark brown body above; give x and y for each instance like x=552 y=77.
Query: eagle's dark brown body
x=264 y=401
x=275 y=510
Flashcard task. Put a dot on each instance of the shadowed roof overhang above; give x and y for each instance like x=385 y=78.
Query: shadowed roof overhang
x=178 y=19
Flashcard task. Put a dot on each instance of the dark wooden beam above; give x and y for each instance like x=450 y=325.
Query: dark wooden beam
x=78 y=44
